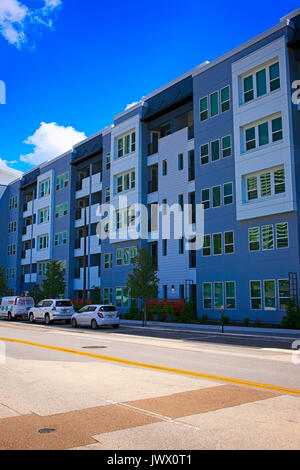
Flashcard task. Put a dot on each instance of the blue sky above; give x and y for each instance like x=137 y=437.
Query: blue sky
x=82 y=62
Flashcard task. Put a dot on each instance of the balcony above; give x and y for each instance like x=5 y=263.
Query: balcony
x=152 y=186
x=24 y=230
x=152 y=148
x=190 y=132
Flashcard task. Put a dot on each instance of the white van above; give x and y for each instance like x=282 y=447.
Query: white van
x=15 y=307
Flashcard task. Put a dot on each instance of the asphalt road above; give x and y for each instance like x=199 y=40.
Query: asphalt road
x=55 y=375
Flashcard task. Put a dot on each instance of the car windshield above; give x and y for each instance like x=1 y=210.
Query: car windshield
x=108 y=308
x=63 y=303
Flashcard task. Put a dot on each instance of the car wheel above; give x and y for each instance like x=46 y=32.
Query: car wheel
x=94 y=325
x=74 y=323
x=116 y=326
x=9 y=316
x=47 y=319
x=31 y=318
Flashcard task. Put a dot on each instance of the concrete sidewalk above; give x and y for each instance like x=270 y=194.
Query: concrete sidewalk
x=243 y=330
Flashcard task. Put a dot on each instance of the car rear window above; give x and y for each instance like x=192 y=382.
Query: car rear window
x=63 y=303
x=108 y=308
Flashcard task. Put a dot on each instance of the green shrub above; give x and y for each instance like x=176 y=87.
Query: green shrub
x=246 y=321
x=188 y=315
x=169 y=310
x=292 y=317
x=226 y=319
x=204 y=318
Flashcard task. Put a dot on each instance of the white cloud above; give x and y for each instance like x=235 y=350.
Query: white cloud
x=16 y=19
x=6 y=165
x=51 y=140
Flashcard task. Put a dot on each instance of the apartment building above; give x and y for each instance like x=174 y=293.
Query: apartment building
x=224 y=135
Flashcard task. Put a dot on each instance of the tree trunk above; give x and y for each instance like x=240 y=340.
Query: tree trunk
x=144 y=315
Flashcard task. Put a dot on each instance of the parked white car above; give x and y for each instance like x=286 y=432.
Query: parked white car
x=96 y=316
x=50 y=310
x=15 y=307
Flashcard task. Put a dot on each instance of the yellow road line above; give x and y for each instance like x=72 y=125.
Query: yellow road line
x=117 y=360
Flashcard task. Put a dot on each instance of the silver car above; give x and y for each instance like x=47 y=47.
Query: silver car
x=96 y=316
x=50 y=310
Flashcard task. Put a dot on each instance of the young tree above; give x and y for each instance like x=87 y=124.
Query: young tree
x=143 y=281
x=54 y=285
x=36 y=294
x=3 y=284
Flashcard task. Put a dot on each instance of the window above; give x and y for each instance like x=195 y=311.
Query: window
x=60 y=238
x=269 y=295
x=265 y=184
x=125 y=145
x=263 y=134
x=214 y=104
x=180 y=201
x=62 y=181
x=108 y=260
x=205 y=198
x=125 y=297
x=207 y=294
x=227 y=194
x=119 y=184
x=261 y=83
x=279 y=181
x=11 y=250
x=181 y=245
x=119 y=257
x=276 y=129
x=133 y=254
x=10 y=273
x=248 y=89
x=250 y=138
x=107 y=295
x=252 y=188
x=228 y=242
x=164 y=247
x=44 y=216
x=258 y=84
x=284 y=293
x=274 y=77
x=43 y=242
x=218 y=288
x=107 y=195
x=126 y=256
x=132 y=179
x=42 y=267
x=206 y=249
x=13 y=202
x=226 y=146
x=180 y=161
x=204 y=154
x=204 y=109
x=282 y=235
x=119 y=296
x=107 y=161
x=217 y=244
x=216 y=196
x=165 y=291
x=12 y=227
x=254 y=239
x=215 y=150
x=61 y=210
x=181 y=291
x=255 y=295
x=164 y=167
x=225 y=99
x=230 y=295
x=44 y=188
x=267 y=237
